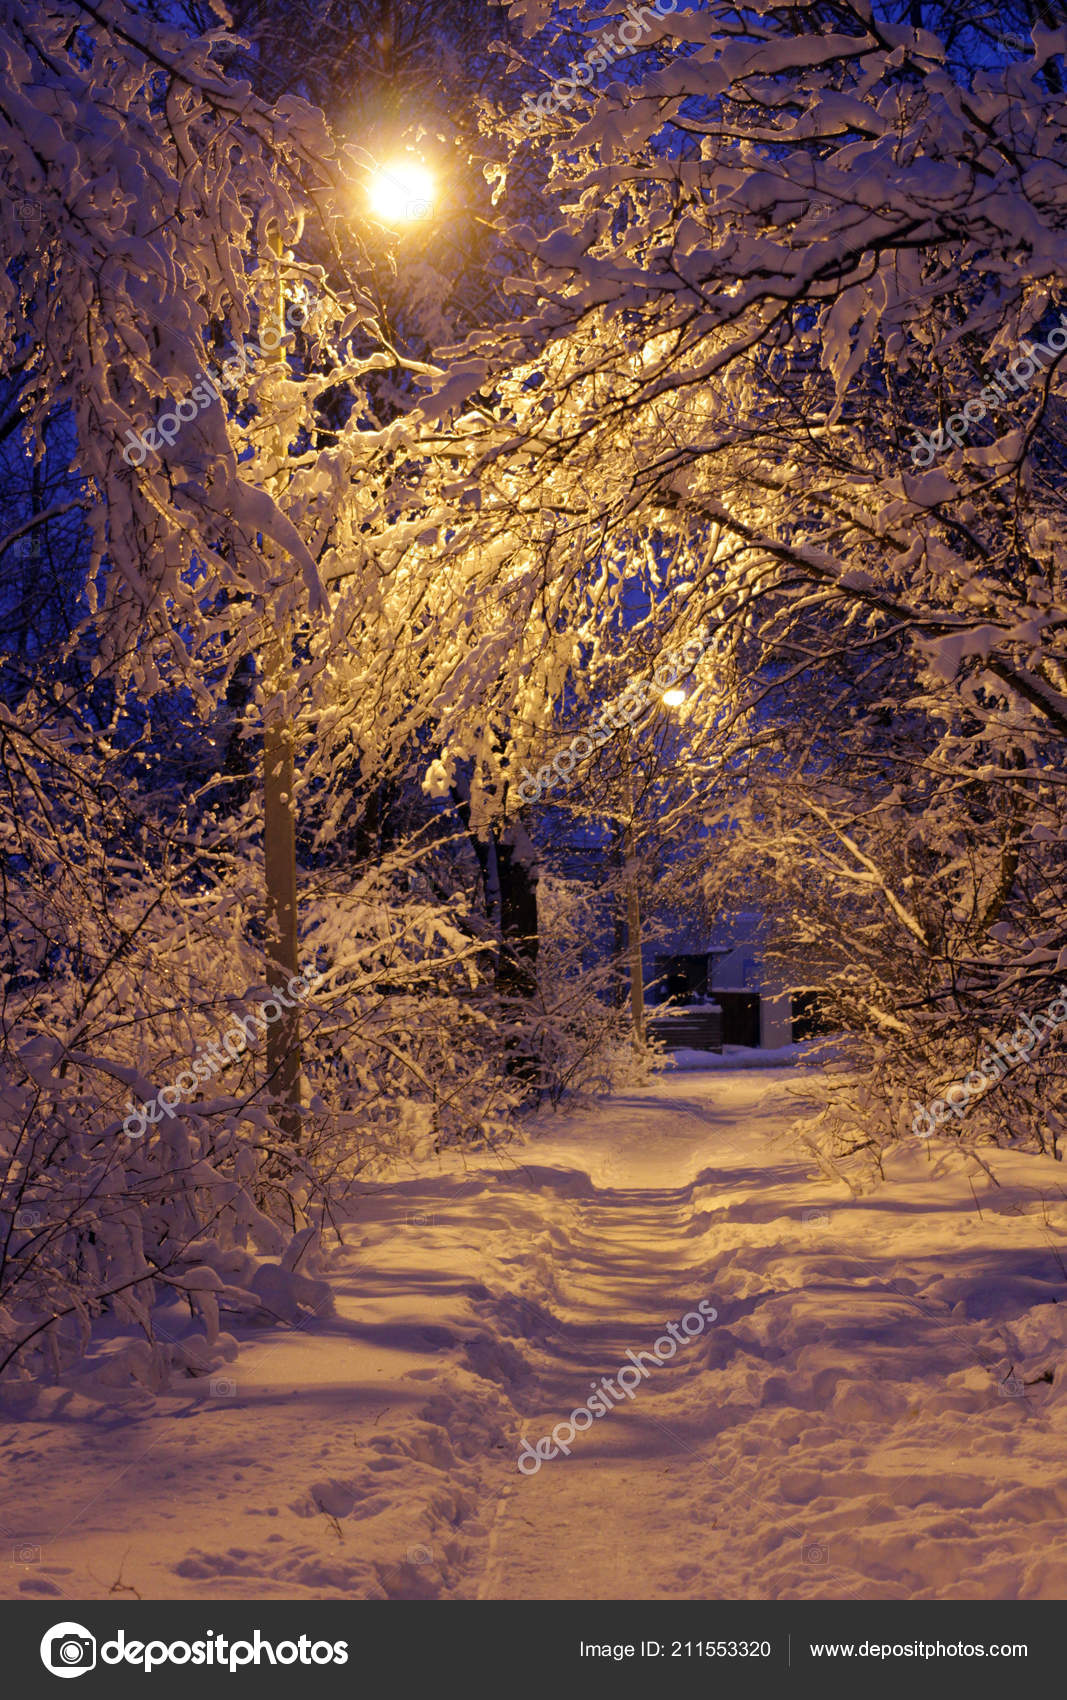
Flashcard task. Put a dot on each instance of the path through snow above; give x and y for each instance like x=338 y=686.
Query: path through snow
x=865 y=1417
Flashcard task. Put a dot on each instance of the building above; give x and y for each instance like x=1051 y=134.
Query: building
x=727 y=980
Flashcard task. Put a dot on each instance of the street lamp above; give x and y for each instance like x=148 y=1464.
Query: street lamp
x=672 y=698
x=401 y=191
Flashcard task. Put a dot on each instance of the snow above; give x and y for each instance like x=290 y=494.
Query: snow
x=741 y=1056
x=865 y=1418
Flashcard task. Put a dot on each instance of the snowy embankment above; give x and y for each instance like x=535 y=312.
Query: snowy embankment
x=867 y=1416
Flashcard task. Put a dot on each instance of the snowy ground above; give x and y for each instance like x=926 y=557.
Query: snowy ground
x=866 y=1418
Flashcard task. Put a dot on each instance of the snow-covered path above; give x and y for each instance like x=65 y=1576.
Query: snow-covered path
x=840 y=1430
x=626 y=1515
x=865 y=1416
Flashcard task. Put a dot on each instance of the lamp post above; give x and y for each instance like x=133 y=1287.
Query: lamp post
x=633 y=899
x=284 y=1061
x=673 y=698
x=400 y=190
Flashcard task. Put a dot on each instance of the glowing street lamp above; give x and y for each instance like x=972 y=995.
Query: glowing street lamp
x=401 y=191
x=672 y=698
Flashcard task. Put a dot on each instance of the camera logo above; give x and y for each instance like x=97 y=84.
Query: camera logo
x=68 y=1650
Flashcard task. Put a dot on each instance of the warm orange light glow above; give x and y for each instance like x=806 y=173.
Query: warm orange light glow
x=401 y=191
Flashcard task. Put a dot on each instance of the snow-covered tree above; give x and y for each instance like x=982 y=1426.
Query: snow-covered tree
x=790 y=256
x=190 y=349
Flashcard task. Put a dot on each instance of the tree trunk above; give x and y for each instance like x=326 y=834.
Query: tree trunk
x=518 y=874
x=516 y=974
